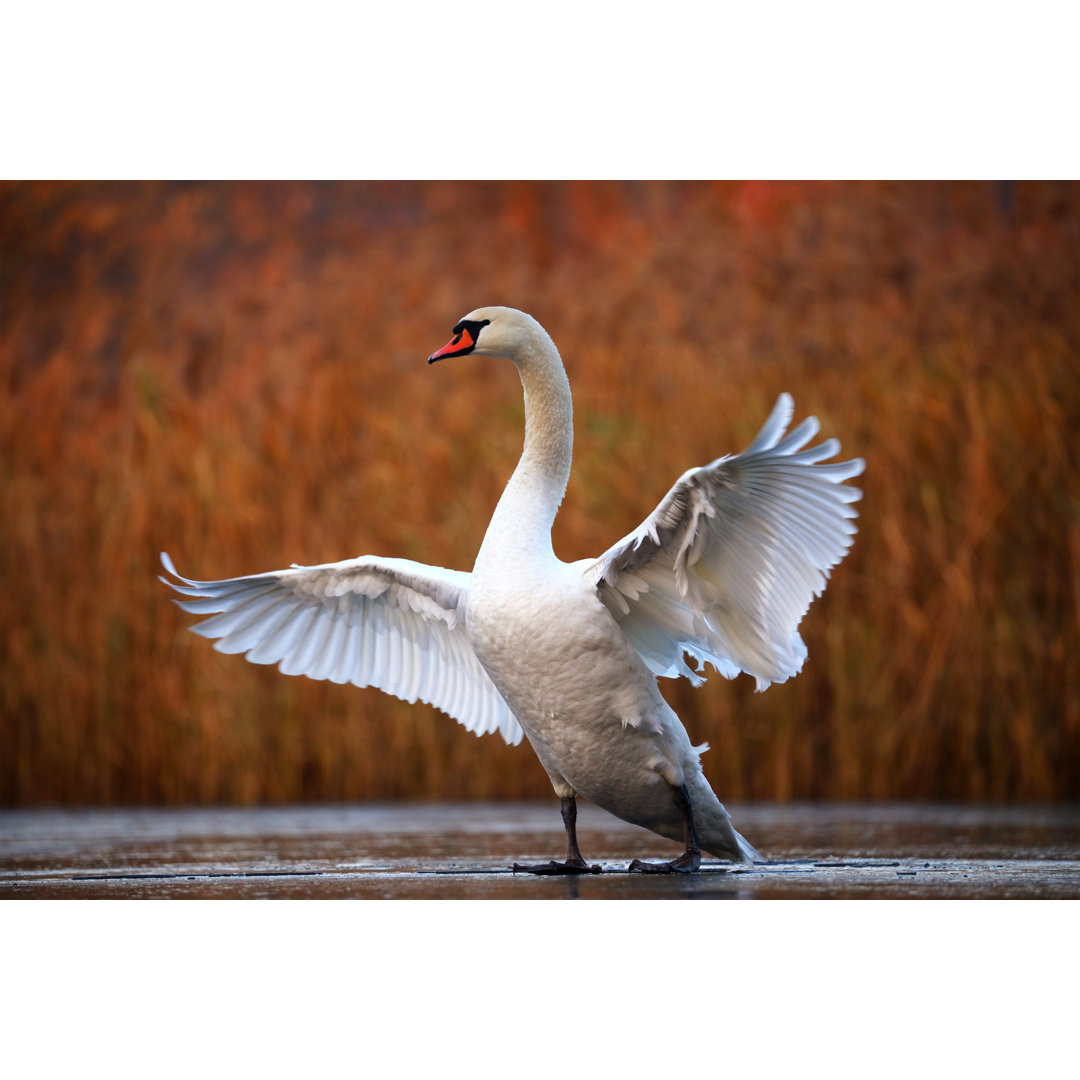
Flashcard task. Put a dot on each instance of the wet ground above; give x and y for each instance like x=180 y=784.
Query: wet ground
x=465 y=851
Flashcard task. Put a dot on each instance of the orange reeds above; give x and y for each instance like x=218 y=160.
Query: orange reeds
x=235 y=373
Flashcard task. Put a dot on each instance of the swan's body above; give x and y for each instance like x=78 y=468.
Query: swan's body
x=568 y=653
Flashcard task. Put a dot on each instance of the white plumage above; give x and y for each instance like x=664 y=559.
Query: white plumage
x=390 y=623
x=567 y=654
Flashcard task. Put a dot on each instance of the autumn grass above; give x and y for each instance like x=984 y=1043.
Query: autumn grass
x=235 y=373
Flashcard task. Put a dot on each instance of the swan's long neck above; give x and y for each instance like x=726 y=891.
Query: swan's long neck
x=521 y=525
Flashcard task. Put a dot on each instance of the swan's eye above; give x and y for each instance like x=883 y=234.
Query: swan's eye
x=472 y=327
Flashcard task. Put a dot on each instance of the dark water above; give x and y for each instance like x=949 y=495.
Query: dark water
x=465 y=851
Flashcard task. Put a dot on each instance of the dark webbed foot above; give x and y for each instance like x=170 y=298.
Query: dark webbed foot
x=687 y=863
x=553 y=868
x=574 y=863
x=690 y=860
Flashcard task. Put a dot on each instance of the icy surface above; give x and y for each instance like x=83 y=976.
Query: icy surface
x=466 y=851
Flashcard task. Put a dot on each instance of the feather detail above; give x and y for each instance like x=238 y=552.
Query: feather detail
x=390 y=623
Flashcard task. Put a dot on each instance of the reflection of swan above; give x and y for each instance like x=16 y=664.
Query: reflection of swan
x=568 y=653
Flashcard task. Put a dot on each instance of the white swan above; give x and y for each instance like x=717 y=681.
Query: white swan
x=568 y=653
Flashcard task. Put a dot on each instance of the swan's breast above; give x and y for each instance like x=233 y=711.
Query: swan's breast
x=549 y=632
x=589 y=706
x=559 y=658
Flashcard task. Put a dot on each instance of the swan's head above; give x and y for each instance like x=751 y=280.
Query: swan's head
x=492 y=331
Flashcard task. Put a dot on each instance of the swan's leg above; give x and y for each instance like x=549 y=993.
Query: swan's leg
x=574 y=864
x=690 y=860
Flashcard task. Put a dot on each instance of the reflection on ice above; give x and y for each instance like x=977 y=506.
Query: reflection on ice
x=466 y=851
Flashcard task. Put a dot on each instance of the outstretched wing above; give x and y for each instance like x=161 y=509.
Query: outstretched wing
x=726 y=566
x=390 y=623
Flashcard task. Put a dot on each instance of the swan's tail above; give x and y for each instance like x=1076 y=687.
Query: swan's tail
x=749 y=853
x=711 y=821
x=715 y=831
x=726 y=843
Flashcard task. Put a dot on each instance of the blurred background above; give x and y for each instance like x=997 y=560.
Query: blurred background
x=235 y=373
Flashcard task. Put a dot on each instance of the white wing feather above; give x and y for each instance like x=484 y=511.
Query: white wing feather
x=390 y=623
x=727 y=565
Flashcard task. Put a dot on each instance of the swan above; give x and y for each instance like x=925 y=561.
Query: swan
x=567 y=654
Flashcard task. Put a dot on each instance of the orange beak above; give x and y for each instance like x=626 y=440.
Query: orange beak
x=458 y=344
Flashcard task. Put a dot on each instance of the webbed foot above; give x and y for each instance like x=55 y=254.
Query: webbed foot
x=553 y=868
x=687 y=863
x=574 y=863
x=690 y=860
